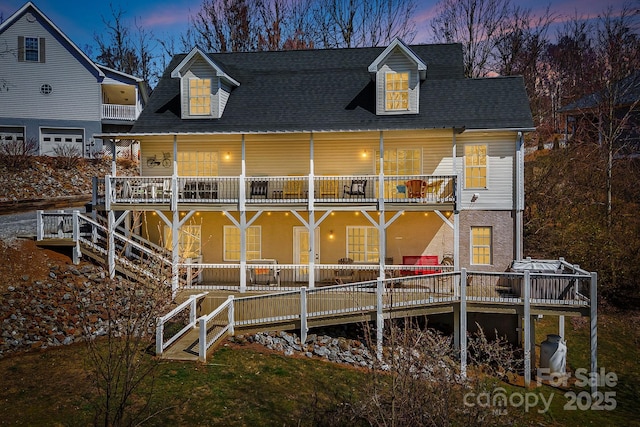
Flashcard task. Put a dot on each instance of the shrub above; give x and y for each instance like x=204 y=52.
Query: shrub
x=17 y=154
x=67 y=156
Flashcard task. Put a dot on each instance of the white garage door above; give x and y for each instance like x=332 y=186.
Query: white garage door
x=70 y=139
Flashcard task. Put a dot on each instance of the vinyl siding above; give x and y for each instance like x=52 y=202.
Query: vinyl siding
x=201 y=70
x=500 y=166
x=76 y=92
x=397 y=62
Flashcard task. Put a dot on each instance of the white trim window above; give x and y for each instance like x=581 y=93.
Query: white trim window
x=198 y=163
x=189 y=240
x=32 y=49
x=396 y=91
x=199 y=97
x=475 y=166
x=231 y=243
x=363 y=244
x=481 y=245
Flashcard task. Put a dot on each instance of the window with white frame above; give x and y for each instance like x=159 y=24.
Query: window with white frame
x=475 y=166
x=232 y=243
x=11 y=135
x=399 y=162
x=189 y=240
x=198 y=163
x=481 y=245
x=396 y=91
x=363 y=244
x=32 y=49
x=199 y=97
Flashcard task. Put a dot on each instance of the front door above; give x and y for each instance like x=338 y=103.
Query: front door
x=301 y=251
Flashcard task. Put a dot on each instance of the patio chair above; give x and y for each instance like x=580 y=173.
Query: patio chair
x=328 y=189
x=269 y=274
x=292 y=190
x=344 y=275
x=416 y=188
x=259 y=189
x=357 y=188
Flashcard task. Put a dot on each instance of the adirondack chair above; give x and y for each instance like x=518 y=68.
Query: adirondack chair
x=259 y=189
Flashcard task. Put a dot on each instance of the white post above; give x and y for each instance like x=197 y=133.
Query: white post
x=379 y=318
x=107 y=193
x=202 y=341
x=192 y=311
x=593 y=302
x=231 y=315
x=159 y=335
x=39 y=225
x=111 y=247
x=561 y=326
x=456 y=327
x=175 y=252
x=527 y=329
x=243 y=251
x=303 y=315
x=76 y=238
x=463 y=322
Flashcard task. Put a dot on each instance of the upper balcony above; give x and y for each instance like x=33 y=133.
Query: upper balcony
x=120 y=103
x=420 y=192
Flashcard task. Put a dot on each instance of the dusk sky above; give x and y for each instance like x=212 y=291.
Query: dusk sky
x=81 y=19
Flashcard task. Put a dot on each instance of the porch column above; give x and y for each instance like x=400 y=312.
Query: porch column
x=527 y=329
x=457 y=195
x=175 y=251
x=463 y=322
x=382 y=229
x=312 y=249
x=111 y=246
x=593 y=305
x=518 y=197
x=243 y=251
x=113 y=157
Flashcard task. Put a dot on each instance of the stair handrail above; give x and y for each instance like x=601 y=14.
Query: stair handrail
x=161 y=345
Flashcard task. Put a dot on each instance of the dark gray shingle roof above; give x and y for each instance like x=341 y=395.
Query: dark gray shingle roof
x=324 y=90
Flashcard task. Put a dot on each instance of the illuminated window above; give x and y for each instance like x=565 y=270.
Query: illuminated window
x=397 y=91
x=363 y=244
x=232 y=243
x=481 y=245
x=475 y=166
x=189 y=240
x=198 y=163
x=200 y=97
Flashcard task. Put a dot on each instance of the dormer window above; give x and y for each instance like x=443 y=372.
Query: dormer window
x=200 y=97
x=397 y=91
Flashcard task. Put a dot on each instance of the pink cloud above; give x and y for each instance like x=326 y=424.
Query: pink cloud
x=166 y=17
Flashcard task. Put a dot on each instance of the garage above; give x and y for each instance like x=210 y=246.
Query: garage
x=71 y=139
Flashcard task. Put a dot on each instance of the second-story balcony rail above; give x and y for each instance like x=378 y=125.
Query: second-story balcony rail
x=119 y=112
x=283 y=190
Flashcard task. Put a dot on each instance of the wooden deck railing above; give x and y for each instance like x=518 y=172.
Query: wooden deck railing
x=119 y=112
x=280 y=190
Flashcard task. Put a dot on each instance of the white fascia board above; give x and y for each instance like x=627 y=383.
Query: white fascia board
x=422 y=66
x=178 y=70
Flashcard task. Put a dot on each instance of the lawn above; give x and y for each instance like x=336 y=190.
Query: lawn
x=246 y=386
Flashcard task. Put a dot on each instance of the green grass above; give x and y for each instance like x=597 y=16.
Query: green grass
x=245 y=387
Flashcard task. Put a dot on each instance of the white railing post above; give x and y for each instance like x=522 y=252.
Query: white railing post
x=174 y=193
x=231 y=315
x=159 y=335
x=593 y=307
x=192 y=311
x=379 y=318
x=463 y=322
x=76 y=237
x=527 y=329
x=202 y=342
x=303 y=315
x=39 y=225
x=107 y=193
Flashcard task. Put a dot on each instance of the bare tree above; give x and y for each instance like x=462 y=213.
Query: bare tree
x=358 y=23
x=285 y=25
x=224 y=26
x=126 y=49
x=477 y=24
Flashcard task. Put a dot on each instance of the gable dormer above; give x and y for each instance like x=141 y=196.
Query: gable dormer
x=397 y=73
x=204 y=86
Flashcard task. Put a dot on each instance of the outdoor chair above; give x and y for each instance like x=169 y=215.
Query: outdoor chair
x=416 y=188
x=267 y=273
x=357 y=188
x=328 y=189
x=259 y=189
x=344 y=275
x=292 y=190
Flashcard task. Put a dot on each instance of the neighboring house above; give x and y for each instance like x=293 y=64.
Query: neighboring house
x=591 y=115
x=385 y=156
x=51 y=93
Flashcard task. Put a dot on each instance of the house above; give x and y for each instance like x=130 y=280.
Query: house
x=382 y=157
x=268 y=177
x=52 y=94
x=616 y=109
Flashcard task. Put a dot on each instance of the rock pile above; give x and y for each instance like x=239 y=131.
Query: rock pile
x=340 y=350
x=64 y=309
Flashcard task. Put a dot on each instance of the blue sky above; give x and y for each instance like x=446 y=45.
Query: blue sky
x=81 y=19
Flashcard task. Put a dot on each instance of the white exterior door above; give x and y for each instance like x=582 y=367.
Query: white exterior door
x=301 y=251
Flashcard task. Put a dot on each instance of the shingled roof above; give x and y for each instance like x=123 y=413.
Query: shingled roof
x=332 y=90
